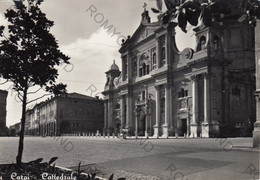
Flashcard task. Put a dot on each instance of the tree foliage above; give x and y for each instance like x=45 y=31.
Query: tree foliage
x=29 y=54
x=208 y=11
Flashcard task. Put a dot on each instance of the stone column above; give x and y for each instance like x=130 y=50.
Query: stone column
x=129 y=110
x=256 y=132
x=167 y=111
x=146 y=123
x=194 y=125
x=52 y=128
x=55 y=128
x=158 y=112
x=136 y=120
x=123 y=115
x=205 y=124
x=188 y=121
x=147 y=109
x=167 y=47
x=110 y=110
x=105 y=116
x=46 y=131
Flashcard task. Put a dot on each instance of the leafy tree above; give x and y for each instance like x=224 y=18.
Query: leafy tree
x=190 y=11
x=29 y=55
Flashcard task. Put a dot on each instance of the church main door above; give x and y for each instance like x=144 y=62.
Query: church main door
x=183 y=127
x=142 y=125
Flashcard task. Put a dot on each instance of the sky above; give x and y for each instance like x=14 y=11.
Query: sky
x=91 y=47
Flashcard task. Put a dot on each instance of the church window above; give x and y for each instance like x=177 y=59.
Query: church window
x=143 y=95
x=186 y=93
x=147 y=69
x=183 y=93
x=144 y=69
x=140 y=71
x=144 y=65
x=135 y=67
x=154 y=61
x=163 y=55
x=202 y=43
x=216 y=42
x=117 y=106
x=108 y=79
x=126 y=69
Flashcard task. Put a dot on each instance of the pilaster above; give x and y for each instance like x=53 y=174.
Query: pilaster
x=194 y=125
x=206 y=123
x=256 y=132
x=105 y=117
x=158 y=111
x=167 y=111
x=137 y=114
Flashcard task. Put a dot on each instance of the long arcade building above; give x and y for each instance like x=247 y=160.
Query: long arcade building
x=65 y=114
x=161 y=91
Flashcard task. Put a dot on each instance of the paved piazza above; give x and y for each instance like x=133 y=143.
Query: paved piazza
x=187 y=159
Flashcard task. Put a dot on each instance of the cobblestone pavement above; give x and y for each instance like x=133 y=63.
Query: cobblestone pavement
x=184 y=159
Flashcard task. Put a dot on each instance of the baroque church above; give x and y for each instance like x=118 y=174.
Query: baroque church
x=203 y=92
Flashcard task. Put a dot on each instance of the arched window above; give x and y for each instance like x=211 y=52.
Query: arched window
x=154 y=61
x=163 y=56
x=163 y=53
x=202 y=43
x=183 y=93
x=216 y=42
x=135 y=67
x=147 y=69
x=125 y=69
x=143 y=95
x=144 y=65
x=117 y=106
x=186 y=93
x=108 y=80
x=140 y=71
x=144 y=69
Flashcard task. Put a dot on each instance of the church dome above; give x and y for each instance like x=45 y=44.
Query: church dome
x=114 y=66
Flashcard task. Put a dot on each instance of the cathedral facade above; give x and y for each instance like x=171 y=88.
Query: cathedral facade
x=203 y=92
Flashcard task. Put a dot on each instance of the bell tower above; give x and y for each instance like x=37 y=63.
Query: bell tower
x=111 y=74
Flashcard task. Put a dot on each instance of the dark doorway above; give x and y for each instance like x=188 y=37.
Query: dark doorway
x=142 y=124
x=183 y=127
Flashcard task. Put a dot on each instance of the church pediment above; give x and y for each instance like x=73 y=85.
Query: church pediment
x=144 y=31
